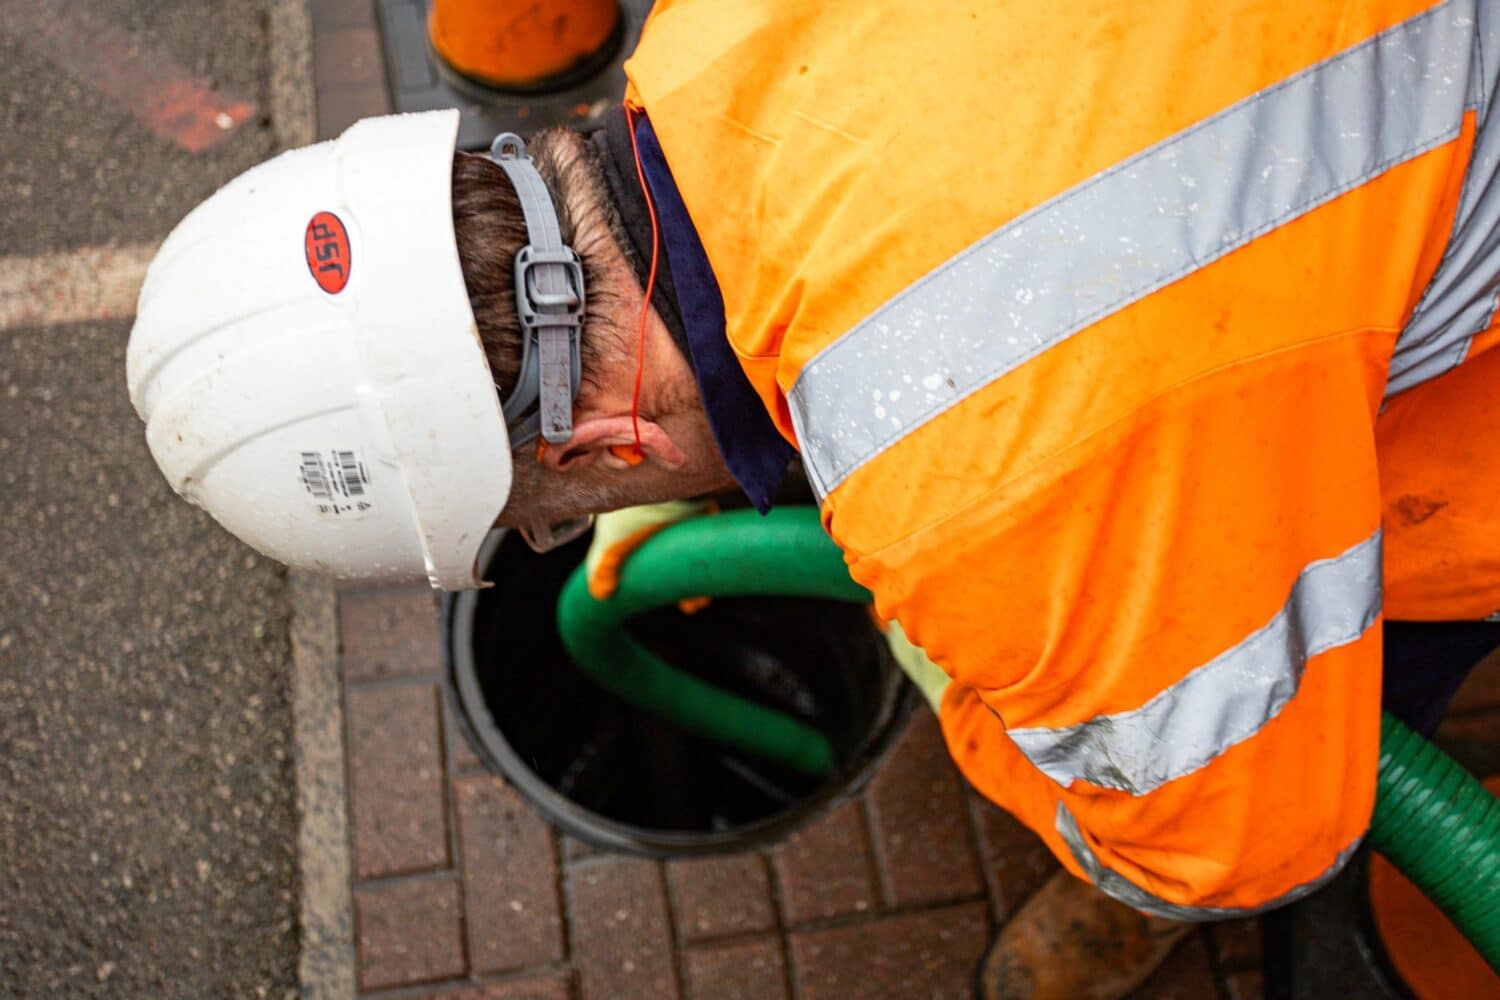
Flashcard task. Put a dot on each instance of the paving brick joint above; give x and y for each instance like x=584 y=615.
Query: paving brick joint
x=463 y=892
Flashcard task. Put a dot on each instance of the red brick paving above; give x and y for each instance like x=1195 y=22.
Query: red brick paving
x=328 y=15
x=575 y=849
x=1015 y=860
x=396 y=779
x=509 y=861
x=550 y=986
x=713 y=897
x=348 y=66
x=389 y=633
x=408 y=932
x=825 y=869
x=932 y=953
x=620 y=929
x=347 y=57
x=461 y=754
x=749 y=970
x=917 y=810
x=895 y=893
x=343 y=106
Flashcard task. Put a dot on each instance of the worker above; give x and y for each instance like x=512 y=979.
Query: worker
x=1140 y=355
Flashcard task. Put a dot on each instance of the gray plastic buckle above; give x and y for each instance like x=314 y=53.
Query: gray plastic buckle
x=538 y=306
x=549 y=305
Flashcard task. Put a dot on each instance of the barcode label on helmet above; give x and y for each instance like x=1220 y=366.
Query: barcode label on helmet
x=351 y=473
x=336 y=482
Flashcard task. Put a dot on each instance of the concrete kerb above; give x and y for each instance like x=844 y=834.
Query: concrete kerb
x=325 y=967
x=292 y=95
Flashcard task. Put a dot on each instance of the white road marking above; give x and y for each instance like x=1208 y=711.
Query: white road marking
x=72 y=286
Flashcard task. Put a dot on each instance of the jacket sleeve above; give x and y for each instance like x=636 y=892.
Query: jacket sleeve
x=1164 y=641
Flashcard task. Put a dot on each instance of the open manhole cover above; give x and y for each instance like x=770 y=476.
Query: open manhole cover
x=621 y=778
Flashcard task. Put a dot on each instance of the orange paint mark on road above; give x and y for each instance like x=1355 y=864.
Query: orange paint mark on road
x=158 y=92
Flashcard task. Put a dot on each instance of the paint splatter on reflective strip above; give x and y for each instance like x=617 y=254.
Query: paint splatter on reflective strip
x=1114 y=884
x=1460 y=300
x=1225 y=701
x=1143 y=224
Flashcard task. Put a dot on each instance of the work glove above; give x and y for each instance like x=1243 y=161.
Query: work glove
x=926 y=675
x=620 y=532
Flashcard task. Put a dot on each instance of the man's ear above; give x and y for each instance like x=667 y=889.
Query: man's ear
x=611 y=440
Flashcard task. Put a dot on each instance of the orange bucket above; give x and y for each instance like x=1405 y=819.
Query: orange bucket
x=525 y=45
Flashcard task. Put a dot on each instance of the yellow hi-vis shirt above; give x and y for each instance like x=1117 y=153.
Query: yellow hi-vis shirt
x=1083 y=317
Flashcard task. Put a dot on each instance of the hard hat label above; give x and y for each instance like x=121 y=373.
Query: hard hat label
x=326 y=244
x=336 y=481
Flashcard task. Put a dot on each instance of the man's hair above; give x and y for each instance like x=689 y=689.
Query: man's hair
x=490 y=230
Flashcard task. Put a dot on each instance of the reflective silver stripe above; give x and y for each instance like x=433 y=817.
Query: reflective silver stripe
x=1114 y=884
x=1461 y=298
x=1229 y=698
x=1143 y=224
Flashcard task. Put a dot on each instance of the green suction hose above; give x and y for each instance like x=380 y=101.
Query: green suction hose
x=1432 y=820
x=1441 y=828
x=734 y=555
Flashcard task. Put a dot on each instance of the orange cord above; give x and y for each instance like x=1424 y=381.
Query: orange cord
x=640 y=349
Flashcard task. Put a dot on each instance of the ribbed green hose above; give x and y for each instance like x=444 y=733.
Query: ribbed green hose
x=1433 y=820
x=1441 y=828
x=734 y=555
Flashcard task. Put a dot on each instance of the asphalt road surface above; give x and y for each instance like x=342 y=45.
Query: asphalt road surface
x=147 y=823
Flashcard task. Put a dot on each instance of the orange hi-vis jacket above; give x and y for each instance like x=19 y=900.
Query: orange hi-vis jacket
x=1131 y=347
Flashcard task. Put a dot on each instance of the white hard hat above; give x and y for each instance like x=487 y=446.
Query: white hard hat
x=309 y=368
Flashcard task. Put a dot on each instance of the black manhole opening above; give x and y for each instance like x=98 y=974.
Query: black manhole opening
x=620 y=778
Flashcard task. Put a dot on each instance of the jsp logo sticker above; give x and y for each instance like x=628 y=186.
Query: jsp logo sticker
x=328 y=254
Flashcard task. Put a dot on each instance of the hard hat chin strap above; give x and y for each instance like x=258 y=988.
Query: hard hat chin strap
x=549 y=305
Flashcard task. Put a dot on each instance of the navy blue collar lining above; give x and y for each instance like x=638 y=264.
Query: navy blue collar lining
x=753 y=449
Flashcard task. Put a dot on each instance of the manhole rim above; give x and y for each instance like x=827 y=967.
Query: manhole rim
x=477 y=726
